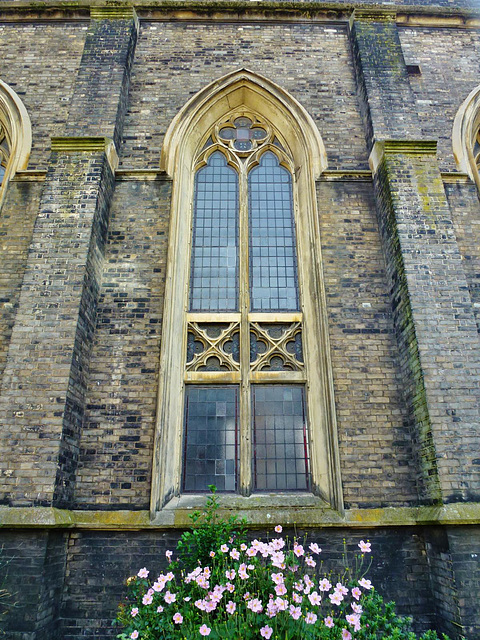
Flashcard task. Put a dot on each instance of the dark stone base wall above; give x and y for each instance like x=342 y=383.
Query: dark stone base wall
x=98 y=563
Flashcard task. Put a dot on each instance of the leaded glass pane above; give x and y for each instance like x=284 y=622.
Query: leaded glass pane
x=214 y=276
x=210 y=446
x=273 y=263
x=2 y=173
x=280 y=438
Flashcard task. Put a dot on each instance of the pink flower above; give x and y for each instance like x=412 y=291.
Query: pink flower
x=212 y=554
x=204 y=630
x=278 y=528
x=147 y=599
x=159 y=608
x=178 y=618
x=143 y=573
x=243 y=547
x=324 y=585
x=295 y=612
x=310 y=561
x=281 y=604
x=255 y=605
x=329 y=622
x=315 y=599
x=314 y=548
x=310 y=618
x=277 y=578
x=230 y=575
x=354 y=620
x=341 y=589
x=366 y=584
x=231 y=606
x=365 y=547
x=169 y=576
x=336 y=598
x=356 y=593
x=134 y=634
x=223 y=549
x=235 y=554
x=296 y=597
x=170 y=597
x=266 y=631
x=357 y=608
x=280 y=589
x=346 y=635
x=298 y=550
x=230 y=587
x=169 y=554
x=134 y=612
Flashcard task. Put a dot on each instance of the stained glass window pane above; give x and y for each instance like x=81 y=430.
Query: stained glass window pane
x=2 y=173
x=211 y=430
x=214 y=276
x=280 y=438
x=273 y=262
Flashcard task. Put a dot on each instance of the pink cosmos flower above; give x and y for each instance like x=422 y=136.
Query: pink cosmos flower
x=170 y=597
x=346 y=635
x=255 y=605
x=204 y=630
x=315 y=599
x=134 y=635
x=310 y=561
x=295 y=612
x=314 y=548
x=178 y=618
x=134 y=612
x=298 y=550
x=159 y=608
x=266 y=632
x=231 y=606
x=336 y=597
x=235 y=554
x=310 y=618
x=329 y=622
x=223 y=549
x=278 y=528
x=356 y=593
x=324 y=585
x=143 y=573
x=354 y=620
x=147 y=599
x=366 y=584
x=365 y=547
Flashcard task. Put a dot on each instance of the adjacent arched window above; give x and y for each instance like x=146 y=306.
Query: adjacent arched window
x=245 y=394
x=466 y=136
x=15 y=136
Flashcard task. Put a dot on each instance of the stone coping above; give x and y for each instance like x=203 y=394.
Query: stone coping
x=176 y=515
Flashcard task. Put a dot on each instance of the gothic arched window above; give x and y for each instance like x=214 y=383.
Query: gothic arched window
x=245 y=392
x=466 y=136
x=15 y=136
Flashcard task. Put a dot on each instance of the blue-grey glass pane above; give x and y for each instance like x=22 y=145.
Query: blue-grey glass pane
x=2 y=173
x=273 y=261
x=210 y=454
x=280 y=452
x=214 y=275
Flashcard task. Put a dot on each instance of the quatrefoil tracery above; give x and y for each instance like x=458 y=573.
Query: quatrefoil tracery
x=213 y=346
x=276 y=347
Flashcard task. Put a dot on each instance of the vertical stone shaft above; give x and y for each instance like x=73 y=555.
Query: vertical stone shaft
x=436 y=331
x=45 y=377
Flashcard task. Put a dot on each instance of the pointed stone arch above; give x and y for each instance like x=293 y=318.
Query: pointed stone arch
x=185 y=137
x=466 y=136
x=15 y=133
